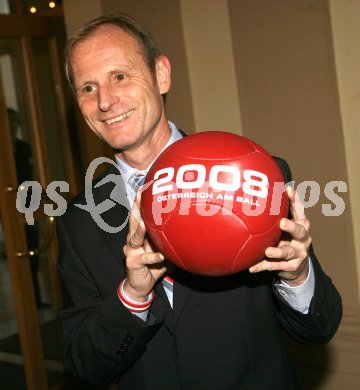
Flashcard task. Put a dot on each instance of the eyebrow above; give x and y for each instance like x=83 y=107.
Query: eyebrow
x=118 y=69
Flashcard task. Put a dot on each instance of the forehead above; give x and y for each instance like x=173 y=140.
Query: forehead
x=106 y=36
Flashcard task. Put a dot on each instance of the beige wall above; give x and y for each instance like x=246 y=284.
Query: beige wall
x=163 y=19
x=289 y=102
x=288 y=88
x=346 y=31
x=78 y=12
x=287 y=76
x=211 y=65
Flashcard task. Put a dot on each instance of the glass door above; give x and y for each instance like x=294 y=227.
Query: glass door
x=35 y=151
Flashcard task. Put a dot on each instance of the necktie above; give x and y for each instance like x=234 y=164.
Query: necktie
x=136 y=180
x=168 y=284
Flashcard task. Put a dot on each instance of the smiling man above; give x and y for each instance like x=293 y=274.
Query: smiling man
x=120 y=96
x=132 y=318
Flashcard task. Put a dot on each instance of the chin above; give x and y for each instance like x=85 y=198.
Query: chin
x=117 y=150
x=115 y=142
x=119 y=146
x=122 y=142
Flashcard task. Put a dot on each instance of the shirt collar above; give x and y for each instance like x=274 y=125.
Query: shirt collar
x=127 y=170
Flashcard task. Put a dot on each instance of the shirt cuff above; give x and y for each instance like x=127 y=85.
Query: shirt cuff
x=143 y=315
x=299 y=297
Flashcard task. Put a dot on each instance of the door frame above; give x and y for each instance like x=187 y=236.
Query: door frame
x=25 y=27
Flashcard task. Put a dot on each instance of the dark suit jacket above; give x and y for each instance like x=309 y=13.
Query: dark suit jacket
x=224 y=332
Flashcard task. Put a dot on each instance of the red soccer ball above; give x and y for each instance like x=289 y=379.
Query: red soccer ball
x=212 y=203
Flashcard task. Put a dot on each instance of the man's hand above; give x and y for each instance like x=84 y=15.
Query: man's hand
x=144 y=266
x=290 y=258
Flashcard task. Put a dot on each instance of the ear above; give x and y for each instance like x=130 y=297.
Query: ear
x=163 y=74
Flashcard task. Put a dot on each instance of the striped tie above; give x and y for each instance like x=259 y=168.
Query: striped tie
x=136 y=180
x=168 y=284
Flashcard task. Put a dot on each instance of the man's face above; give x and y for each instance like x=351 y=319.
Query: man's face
x=116 y=91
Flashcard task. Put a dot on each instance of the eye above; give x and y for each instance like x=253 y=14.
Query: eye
x=87 y=89
x=120 y=77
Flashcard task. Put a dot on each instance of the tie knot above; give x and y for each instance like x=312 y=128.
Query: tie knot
x=136 y=180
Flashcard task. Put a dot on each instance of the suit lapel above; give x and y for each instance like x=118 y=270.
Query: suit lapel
x=109 y=187
x=181 y=294
x=160 y=292
x=181 y=290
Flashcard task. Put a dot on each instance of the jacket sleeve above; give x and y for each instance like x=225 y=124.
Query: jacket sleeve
x=101 y=337
x=319 y=325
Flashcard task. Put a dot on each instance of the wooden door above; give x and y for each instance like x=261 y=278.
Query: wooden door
x=36 y=146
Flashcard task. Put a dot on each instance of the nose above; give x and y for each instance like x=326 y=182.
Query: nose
x=106 y=98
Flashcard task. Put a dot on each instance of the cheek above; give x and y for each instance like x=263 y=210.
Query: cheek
x=153 y=98
x=143 y=89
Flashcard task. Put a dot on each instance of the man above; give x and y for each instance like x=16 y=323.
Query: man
x=124 y=322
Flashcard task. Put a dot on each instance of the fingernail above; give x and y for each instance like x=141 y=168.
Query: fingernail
x=269 y=252
x=290 y=189
x=283 y=223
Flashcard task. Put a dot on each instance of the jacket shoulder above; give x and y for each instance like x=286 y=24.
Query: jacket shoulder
x=284 y=167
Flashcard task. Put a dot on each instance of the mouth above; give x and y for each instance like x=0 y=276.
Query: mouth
x=119 y=118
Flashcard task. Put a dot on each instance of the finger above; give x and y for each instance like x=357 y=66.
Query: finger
x=296 y=204
x=135 y=214
x=276 y=265
x=148 y=246
x=137 y=200
x=134 y=219
x=133 y=243
x=286 y=252
x=298 y=230
x=142 y=263
x=152 y=258
x=264 y=265
x=136 y=240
